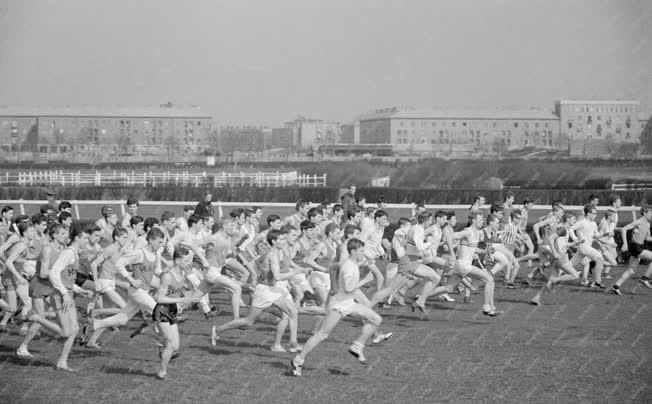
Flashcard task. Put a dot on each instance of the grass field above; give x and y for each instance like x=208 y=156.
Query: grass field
x=581 y=345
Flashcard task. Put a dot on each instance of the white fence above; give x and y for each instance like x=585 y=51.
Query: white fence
x=643 y=186
x=177 y=206
x=153 y=179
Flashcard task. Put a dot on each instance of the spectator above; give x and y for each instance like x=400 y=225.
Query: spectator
x=348 y=199
x=204 y=208
x=51 y=201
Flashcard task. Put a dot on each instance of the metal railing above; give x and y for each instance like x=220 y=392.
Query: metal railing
x=220 y=206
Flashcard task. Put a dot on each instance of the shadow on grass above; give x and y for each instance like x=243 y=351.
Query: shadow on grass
x=338 y=372
x=125 y=371
x=518 y=301
x=213 y=350
x=240 y=344
x=26 y=362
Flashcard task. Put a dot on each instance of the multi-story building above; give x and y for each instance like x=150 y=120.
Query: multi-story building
x=599 y=119
x=282 y=138
x=90 y=131
x=249 y=139
x=596 y=128
x=350 y=133
x=315 y=134
x=309 y=134
x=436 y=131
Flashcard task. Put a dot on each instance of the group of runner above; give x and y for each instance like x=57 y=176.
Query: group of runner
x=326 y=261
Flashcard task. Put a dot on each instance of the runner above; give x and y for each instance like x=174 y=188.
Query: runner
x=341 y=304
x=132 y=210
x=40 y=287
x=587 y=230
x=640 y=235
x=168 y=296
x=62 y=276
x=559 y=250
x=272 y=290
x=463 y=266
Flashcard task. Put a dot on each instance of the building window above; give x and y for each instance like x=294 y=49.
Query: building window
x=463 y=123
x=570 y=125
x=516 y=124
x=453 y=124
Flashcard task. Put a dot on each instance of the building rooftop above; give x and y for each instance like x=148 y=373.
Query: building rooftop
x=164 y=111
x=395 y=113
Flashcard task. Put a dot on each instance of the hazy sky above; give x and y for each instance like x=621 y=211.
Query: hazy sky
x=264 y=62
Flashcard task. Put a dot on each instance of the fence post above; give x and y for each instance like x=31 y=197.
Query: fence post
x=122 y=209
x=22 y=208
x=220 y=213
x=77 y=211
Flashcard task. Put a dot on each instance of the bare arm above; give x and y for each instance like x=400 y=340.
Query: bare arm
x=18 y=249
x=310 y=259
x=275 y=265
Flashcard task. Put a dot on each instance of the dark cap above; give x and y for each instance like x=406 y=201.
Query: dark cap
x=49 y=193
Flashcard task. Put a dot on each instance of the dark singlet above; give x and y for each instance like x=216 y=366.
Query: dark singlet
x=265 y=274
x=144 y=271
x=326 y=260
x=302 y=253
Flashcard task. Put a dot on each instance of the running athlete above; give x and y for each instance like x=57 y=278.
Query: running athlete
x=321 y=260
x=549 y=225
x=20 y=268
x=182 y=221
x=295 y=220
x=640 y=235
x=342 y=303
x=104 y=269
x=271 y=290
x=132 y=210
x=40 y=287
x=62 y=276
x=560 y=248
x=587 y=230
x=107 y=223
x=165 y=312
x=259 y=247
x=463 y=266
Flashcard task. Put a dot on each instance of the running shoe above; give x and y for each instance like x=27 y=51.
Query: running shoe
x=278 y=348
x=645 y=283
x=215 y=310
x=422 y=309
x=382 y=338
x=356 y=351
x=295 y=348
x=615 y=290
x=24 y=353
x=492 y=313
x=445 y=297
x=295 y=367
